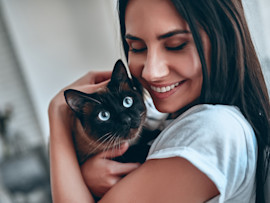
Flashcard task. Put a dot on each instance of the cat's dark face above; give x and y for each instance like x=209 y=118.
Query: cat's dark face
x=113 y=114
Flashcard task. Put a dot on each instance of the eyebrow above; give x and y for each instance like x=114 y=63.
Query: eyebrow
x=160 y=37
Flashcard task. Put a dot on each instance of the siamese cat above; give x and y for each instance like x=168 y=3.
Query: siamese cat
x=105 y=119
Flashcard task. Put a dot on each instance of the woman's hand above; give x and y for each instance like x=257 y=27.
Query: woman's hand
x=89 y=83
x=100 y=173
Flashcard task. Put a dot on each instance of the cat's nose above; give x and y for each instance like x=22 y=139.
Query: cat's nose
x=126 y=120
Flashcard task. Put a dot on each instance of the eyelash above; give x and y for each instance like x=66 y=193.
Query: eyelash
x=137 y=50
x=178 y=48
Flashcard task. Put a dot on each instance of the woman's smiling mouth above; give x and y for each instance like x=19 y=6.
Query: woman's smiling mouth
x=165 y=91
x=164 y=88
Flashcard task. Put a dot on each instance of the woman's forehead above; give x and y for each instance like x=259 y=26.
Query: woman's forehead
x=156 y=15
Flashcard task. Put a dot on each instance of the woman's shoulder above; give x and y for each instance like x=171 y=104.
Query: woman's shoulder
x=208 y=131
x=216 y=139
x=209 y=124
x=214 y=113
x=217 y=119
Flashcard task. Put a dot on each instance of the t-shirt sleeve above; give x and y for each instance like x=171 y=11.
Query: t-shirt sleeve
x=215 y=141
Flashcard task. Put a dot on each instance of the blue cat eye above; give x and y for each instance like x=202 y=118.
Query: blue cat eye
x=127 y=102
x=104 y=115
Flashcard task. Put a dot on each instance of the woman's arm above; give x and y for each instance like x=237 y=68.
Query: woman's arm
x=163 y=180
x=109 y=171
x=66 y=178
x=71 y=182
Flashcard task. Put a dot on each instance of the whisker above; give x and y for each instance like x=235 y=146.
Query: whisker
x=116 y=142
x=109 y=135
x=107 y=147
x=119 y=144
x=103 y=137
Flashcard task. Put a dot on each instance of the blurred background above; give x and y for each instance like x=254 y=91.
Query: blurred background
x=46 y=45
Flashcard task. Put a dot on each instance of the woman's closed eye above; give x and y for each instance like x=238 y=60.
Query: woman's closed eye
x=176 y=47
x=137 y=50
x=171 y=47
x=136 y=47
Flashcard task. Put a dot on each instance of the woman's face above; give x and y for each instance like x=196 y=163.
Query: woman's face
x=162 y=53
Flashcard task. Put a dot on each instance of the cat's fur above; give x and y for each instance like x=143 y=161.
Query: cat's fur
x=92 y=132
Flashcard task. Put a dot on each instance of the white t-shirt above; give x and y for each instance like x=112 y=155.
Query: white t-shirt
x=219 y=141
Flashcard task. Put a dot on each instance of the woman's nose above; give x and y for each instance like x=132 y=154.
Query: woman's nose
x=155 y=66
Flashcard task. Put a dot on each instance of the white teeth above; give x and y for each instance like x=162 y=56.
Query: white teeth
x=164 y=89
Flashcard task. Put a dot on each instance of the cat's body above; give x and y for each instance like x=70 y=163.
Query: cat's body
x=105 y=119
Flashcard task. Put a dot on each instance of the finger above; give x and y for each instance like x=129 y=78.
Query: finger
x=90 y=88
x=102 y=76
x=121 y=169
x=93 y=78
x=112 y=153
x=110 y=183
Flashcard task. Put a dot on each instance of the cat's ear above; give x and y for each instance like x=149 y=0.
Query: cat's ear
x=119 y=75
x=77 y=100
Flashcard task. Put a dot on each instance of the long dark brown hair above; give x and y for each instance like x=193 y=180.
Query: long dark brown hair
x=236 y=77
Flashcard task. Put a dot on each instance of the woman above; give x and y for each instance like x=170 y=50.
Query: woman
x=197 y=61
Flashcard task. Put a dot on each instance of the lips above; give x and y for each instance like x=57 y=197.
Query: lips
x=164 y=88
x=165 y=91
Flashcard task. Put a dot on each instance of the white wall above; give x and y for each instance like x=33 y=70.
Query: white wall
x=257 y=13
x=264 y=10
x=57 y=41
x=22 y=130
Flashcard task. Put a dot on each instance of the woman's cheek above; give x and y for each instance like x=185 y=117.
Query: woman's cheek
x=135 y=66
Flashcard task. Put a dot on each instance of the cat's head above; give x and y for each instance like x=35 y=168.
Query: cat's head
x=113 y=114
